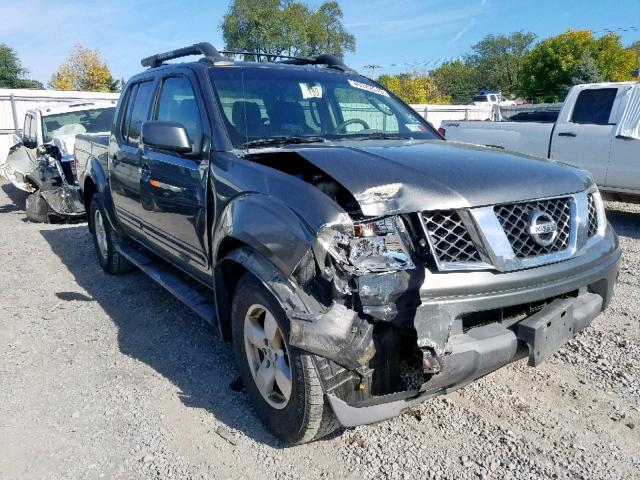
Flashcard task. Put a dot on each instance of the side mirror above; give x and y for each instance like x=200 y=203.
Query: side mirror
x=169 y=136
x=29 y=142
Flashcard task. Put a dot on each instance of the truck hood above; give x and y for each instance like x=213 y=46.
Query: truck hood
x=408 y=176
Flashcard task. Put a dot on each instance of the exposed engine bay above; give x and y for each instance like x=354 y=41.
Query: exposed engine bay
x=54 y=193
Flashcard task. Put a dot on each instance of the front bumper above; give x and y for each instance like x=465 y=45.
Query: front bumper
x=469 y=354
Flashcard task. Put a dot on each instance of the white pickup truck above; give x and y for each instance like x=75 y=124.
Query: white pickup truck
x=597 y=129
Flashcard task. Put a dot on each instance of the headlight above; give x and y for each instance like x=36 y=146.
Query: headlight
x=378 y=245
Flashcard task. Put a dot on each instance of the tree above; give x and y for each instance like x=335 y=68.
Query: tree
x=414 y=88
x=550 y=65
x=615 y=62
x=458 y=80
x=499 y=59
x=84 y=71
x=635 y=48
x=586 y=70
x=326 y=34
x=277 y=27
x=12 y=71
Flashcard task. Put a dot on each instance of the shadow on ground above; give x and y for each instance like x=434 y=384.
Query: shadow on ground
x=18 y=199
x=18 y=205
x=625 y=223
x=156 y=329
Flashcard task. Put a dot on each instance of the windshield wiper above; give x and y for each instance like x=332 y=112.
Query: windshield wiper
x=378 y=136
x=263 y=142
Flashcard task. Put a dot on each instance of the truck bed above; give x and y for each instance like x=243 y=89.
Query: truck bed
x=89 y=145
x=531 y=138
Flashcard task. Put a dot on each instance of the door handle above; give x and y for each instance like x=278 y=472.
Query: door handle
x=567 y=134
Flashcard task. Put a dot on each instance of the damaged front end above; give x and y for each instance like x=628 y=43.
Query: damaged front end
x=363 y=274
x=56 y=185
x=393 y=328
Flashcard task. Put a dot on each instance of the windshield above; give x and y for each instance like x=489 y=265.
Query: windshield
x=74 y=123
x=480 y=98
x=277 y=104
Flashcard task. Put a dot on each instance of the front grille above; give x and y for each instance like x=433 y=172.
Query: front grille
x=514 y=219
x=449 y=237
x=592 y=217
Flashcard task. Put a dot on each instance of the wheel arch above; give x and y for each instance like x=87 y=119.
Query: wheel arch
x=95 y=181
x=240 y=259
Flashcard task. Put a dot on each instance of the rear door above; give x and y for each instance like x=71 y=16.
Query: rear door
x=624 y=166
x=173 y=186
x=125 y=164
x=582 y=136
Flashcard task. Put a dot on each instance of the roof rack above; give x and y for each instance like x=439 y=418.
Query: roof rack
x=203 y=48
x=331 y=61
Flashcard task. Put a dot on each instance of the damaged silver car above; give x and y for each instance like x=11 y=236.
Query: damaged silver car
x=41 y=161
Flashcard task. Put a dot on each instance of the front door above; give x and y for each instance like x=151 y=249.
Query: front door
x=173 y=186
x=583 y=136
x=125 y=164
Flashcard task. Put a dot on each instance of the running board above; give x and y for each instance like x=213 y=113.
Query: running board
x=175 y=285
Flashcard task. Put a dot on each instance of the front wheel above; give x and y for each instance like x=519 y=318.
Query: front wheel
x=281 y=382
x=105 y=239
x=36 y=208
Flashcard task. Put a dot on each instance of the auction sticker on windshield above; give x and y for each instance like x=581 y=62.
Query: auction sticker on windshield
x=368 y=88
x=311 y=90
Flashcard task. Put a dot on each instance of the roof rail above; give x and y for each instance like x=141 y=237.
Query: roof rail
x=331 y=61
x=203 y=48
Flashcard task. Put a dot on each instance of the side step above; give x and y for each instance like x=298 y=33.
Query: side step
x=161 y=273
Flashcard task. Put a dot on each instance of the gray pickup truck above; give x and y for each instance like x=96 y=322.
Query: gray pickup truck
x=359 y=262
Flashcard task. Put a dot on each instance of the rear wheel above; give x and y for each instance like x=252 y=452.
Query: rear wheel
x=281 y=382
x=105 y=239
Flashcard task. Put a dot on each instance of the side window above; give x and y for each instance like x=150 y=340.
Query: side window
x=594 y=106
x=139 y=106
x=126 y=114
x=177 y=103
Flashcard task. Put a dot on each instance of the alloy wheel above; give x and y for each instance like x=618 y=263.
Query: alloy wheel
x=268 y=356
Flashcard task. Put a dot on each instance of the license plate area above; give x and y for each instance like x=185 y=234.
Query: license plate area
x=546 y=331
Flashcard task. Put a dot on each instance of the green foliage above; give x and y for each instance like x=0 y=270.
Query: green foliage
x=635 y=48
x=498 y=60
x=586 y=70
x=414 y=88
x=550 y=67
x=285 y=27
x=12 y=71
x=458 y=80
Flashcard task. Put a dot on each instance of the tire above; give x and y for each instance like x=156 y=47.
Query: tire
x=304 y=416
x=37 y=208
x=105 y=239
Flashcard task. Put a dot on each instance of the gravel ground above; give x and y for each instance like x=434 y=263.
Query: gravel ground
x=110 y=377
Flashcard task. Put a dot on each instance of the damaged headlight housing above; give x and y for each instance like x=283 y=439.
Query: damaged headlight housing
x=380 y=245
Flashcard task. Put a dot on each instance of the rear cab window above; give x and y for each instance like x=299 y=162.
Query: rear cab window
x=594 y=106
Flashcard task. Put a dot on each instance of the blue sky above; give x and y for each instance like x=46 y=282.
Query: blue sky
x=387 y=31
